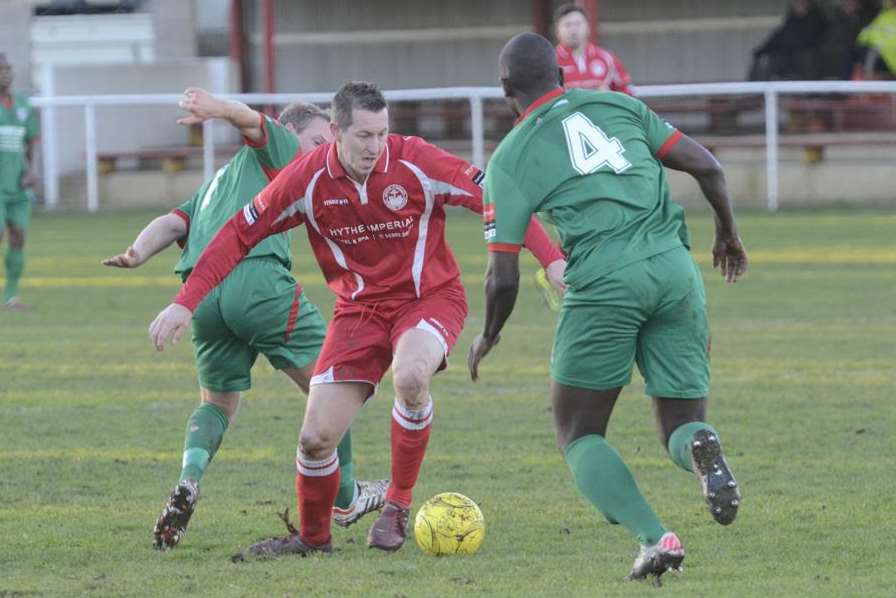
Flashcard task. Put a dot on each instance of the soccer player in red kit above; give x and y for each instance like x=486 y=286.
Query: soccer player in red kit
x=374 y=208
x=584 y=63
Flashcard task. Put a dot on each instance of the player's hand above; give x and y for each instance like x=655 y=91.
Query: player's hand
x=128 y=259
x=29 y=179
x=729 y=255
x=481 y=346
x=201 y=105
x=171 y=322
x=554 y=273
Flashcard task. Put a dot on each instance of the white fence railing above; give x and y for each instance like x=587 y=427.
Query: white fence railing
x=474 y=95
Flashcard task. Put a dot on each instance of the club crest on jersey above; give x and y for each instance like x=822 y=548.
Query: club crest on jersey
x=22 y=114
x=395 y=197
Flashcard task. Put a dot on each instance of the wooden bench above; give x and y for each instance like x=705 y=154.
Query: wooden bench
x=812 y=143
x=172 y=159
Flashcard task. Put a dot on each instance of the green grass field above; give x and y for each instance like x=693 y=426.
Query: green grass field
x=92 y=418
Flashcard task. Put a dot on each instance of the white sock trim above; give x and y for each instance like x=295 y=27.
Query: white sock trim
x=412 y=420
x=317 y=469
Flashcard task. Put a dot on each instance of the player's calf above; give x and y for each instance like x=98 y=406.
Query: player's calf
x=719 y=486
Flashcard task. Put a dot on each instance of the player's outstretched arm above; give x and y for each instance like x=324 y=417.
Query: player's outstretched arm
x=502 y=283
x=158 y=234
x=203 y=106
x=728 y=253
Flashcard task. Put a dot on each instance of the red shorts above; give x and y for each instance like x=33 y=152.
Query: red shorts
x=361 y=338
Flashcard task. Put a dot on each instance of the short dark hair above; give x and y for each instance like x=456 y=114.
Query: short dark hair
x=565 y=9
x=356 y=94
x=299 y=114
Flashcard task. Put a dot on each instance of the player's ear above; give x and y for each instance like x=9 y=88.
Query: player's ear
x=508 y=91
x=335 y=131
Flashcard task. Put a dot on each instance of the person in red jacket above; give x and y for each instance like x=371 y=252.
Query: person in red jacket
x=584 y=63
x=373 y=205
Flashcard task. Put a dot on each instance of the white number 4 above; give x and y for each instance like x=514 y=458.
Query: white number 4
x=589 y=147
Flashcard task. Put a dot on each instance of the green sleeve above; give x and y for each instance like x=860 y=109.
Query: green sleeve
x=32 y=125
x=507 y=210
x=188 y=208
x=279 y=146
x=658 y=131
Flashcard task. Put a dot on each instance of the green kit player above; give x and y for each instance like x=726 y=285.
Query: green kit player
x=19 y=130
x=260 y=308
x=592 y=162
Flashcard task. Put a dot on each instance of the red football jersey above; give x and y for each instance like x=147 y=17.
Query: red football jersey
x=595 y=69
x=383 y=239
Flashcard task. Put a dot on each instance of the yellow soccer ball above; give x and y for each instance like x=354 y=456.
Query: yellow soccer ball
x=449 y=523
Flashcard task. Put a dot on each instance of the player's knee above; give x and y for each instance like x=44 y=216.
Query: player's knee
x=411 y=384
x=228 y=402
x=16 y=238
x=316 y=444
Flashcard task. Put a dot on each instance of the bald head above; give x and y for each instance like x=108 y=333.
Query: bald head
x=529 y=68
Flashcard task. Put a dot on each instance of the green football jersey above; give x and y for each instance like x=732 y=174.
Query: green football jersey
x=18 y=126
x=589 y=162
x=232 y=188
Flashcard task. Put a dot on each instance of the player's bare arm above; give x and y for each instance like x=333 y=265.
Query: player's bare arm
x=158 y=235
x=29 y=176
x=203 y=106
x=502 y=283
x=728 y=253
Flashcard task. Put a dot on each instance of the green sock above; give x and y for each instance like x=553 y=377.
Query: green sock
x=346 y=476
x=205 y=431
x=15 y=264
x=607 y=483
x=680 y=443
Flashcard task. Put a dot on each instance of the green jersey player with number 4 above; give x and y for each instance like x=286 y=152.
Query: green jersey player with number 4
x=260 y=308
x=19 y=130
x=592 y=162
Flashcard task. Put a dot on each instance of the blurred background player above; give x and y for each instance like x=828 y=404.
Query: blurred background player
x=634 y=293
x=374 y=205
x=584 y=63
x=259 y=309
x=19 y=130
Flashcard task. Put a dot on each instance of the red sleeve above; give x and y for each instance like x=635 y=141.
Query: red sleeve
x=454 y=181
x=623 y=82
x=276 y=209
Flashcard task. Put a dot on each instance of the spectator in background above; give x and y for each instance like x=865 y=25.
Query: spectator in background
x=789 y=52
x=584 y=63
x=838 y=53
x=877 y=45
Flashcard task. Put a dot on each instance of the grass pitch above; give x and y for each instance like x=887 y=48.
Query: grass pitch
x=92 y=418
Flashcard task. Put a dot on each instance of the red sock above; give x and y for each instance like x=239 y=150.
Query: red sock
x=317 y=483
x=410 y=435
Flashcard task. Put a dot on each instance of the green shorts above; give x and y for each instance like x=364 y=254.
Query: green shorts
x=652 y=312
x=259 y=308
x=15 y=210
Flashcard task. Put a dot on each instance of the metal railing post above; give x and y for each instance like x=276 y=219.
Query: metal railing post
x=93 y=198
x=208 y=149
x=477 y=131
x=771 y=148
x=49 y=151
